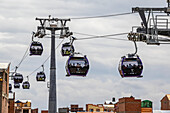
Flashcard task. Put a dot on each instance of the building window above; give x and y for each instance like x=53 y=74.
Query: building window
x=91 y=110
x=25 y=105
x=97 y=110
x=1 y=76
x=6 y=76
x=18 y=105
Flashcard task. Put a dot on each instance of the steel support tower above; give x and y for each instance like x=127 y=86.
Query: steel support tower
x=51 y=24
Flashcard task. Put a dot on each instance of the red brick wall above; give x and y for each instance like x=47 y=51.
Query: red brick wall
x=11 y=108
x=165 y=103
x=44 y=111
x=133 y=106
x=34 y=110
x=5 y=90
x=129 y=105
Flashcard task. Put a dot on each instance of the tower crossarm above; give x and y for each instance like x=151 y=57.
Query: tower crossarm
x=155 y=10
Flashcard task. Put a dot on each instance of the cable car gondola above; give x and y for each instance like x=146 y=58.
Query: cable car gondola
x=41 y=76
x=18 y=78
x=26 y=85
x=77 y=65
x=67 y=49
x=16 y=85
x=130 y=66
x=36 y=48
x=10 y=88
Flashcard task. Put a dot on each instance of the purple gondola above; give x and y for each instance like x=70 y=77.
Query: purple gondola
x=36 y=48
x=41 y=76
x=130 y=66
x=67 y=49
x=16 y=85
x=18 y=78
x=77 y=65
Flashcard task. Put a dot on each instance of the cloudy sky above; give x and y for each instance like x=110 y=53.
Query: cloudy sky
x=17 y=21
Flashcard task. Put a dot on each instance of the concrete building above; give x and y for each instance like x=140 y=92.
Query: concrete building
x=4 y=87
x=63 y=110
x=128 y=105
x=23 y=106
x=165 y=102
x=109 y=106
x=94 y=108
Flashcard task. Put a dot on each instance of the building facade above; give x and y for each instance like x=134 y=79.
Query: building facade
x=34 y=110
x=128 y=105
x=165 y=102
x=44 y=111
x=4 y=87
x=11 y=103
x=109 y=106
x=146 y=106
x=76 y=108
x=23 y=106
x=94 y=108
x=63 y=110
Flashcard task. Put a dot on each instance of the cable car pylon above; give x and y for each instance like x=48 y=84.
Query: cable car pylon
x=53 y=25
x=155 y=23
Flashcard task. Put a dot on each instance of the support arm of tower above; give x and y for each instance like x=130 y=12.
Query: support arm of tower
x=155 y=10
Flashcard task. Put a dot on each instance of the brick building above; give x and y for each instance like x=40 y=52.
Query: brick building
x=165 y=102
x=44 y=111
x=34 y=110
x=4 y=87
x=94 y=108
x=128 y=105
x=75 y=108
x=11 y=103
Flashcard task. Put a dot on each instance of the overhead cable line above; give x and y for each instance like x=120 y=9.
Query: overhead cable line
x=105 y=36
x=44 y=61
x=102 y=16
x=23 y=58
x=83 y=34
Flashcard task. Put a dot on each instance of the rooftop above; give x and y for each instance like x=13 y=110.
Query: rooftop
x=168 y=95
x=22 y=101
x=4 y=66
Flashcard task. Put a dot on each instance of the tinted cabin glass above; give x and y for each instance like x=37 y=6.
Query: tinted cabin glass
x=10 y=87
x=16 y=85
x=41 y=76
x=36 y=48
x=78 y=66
x=18 y=78
x=67 y=50
x=26 y=85
x=132 y=67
